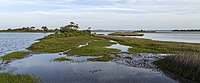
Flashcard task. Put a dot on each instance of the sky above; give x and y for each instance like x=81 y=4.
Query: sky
x=102 y=14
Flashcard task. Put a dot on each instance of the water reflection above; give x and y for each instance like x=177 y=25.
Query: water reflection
x=123 y=48
x=42 y=66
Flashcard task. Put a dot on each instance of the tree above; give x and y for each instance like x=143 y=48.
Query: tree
x=71 y=27
x=9 y=29
x=45 y=28
x=32 y=28
x=72 y=23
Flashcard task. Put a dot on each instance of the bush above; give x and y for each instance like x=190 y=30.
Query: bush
x=183 y=64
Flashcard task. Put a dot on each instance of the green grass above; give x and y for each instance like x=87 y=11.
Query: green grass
x=140 y=45
x=126 y=34
x=103 y=59
x=9 y=78
x=183 y=64
x=60 y=44
x=62 y=59
x=94 y=48
x=14 y=55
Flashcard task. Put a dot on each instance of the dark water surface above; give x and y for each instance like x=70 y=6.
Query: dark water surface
x=43 y=66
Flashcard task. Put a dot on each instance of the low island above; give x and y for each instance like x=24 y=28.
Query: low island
x=126 y=34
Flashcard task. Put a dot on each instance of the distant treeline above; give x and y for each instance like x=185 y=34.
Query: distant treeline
x=188 y=30
x=29 y=29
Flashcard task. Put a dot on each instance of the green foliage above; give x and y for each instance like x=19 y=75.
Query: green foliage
x=9 y=78
x=95 y=48
x=183 y=64
x=62 y=59
x=45 y=28
x=104 y=59
x=27 y=29
x=70 y=34
x=14 y=55
x=69 y=28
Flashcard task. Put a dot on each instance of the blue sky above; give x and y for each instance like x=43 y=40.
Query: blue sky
x=101 y=14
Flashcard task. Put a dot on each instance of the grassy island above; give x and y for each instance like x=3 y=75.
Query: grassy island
x=54 y=45
x=62 y=59
x=102 y=59
x=14 y=55
x=69 y=39
x=126 y=34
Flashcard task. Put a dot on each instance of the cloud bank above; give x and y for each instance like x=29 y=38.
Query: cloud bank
x=101 y=14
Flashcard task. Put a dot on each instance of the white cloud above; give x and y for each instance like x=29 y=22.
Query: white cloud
x=101 y=13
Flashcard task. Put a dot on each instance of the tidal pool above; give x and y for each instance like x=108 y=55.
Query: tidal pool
x=123 y=48
x=82 y=71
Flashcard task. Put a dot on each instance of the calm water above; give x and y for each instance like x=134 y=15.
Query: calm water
x=82 y=71
x=179 y=37
x=191 y=37
x=77 y=71
x=10 y=42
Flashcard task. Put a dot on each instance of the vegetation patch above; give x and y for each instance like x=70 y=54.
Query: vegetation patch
x=10 y=78
x=94 y=48
x=140 y=45
x=126 y=34
x=69 y=34
x=14 y=55
x=183 y=64
x=103 y=58
x=60 y=44
x=62 y=59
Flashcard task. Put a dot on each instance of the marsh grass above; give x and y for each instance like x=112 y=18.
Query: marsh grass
x=54 y=45
x=140 y=45
x=62 y=59
x=14 y=55
x=185 y=64
x=103 y=59
x=10 y=78
x=94 y=48
x=126 y=34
